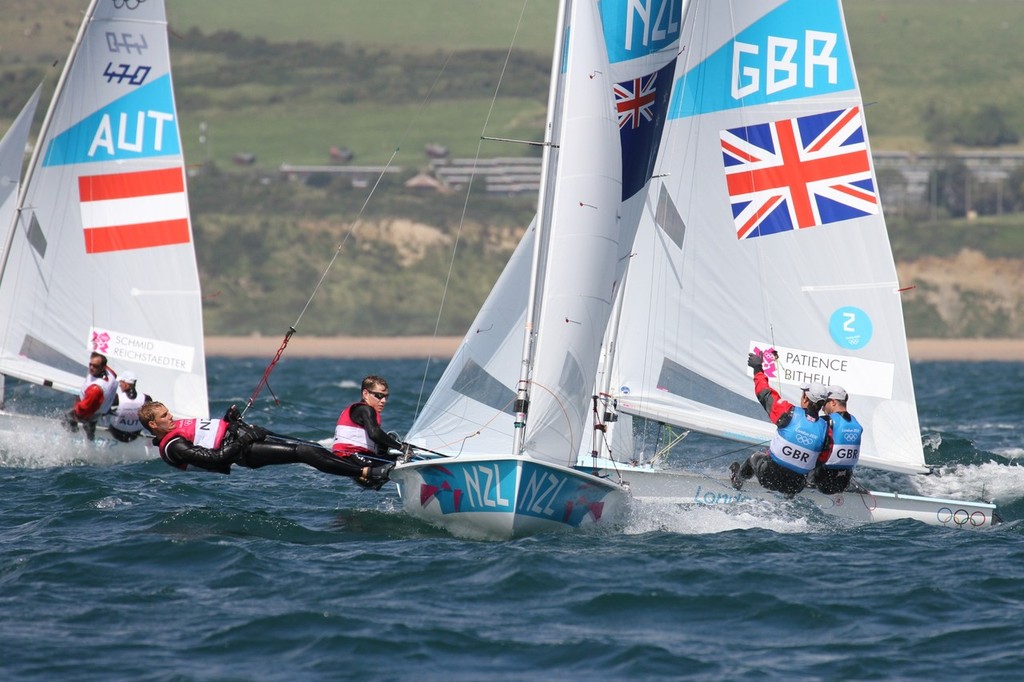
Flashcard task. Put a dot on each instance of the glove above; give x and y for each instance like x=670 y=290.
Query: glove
x=406 y=451
x=755 y=362
x=70 y=421
x=247 y=434
x=232 y=415
x=376 y=478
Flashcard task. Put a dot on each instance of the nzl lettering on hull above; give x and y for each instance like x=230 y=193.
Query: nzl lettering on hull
x=491 y=487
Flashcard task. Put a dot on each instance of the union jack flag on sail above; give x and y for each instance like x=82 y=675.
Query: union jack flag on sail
x=641 y=104
x=798 y=172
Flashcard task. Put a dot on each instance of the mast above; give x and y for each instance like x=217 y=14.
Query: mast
x=549 y=166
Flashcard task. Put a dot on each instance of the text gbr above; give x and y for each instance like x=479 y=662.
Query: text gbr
x=781 y=63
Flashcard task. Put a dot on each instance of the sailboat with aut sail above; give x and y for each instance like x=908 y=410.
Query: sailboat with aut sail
x=504 y=423
x=763 y=230
x=99 y=254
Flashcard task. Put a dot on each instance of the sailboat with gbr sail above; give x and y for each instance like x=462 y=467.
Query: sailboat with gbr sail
x=99 y=254
x=763 y=230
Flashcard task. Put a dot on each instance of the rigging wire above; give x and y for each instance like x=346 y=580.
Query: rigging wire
x=469 y=189
x=264 y=380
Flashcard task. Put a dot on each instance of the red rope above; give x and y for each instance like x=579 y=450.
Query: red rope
x=265 y=380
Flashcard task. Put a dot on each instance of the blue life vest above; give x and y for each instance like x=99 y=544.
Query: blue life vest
x=796 y=445
x=846 y=437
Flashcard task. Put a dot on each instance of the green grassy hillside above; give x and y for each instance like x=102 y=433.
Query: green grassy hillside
x=374 y=76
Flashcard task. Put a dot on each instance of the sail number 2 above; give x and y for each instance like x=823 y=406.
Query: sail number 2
x=785 y=63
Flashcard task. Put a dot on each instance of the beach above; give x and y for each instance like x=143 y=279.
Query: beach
x=444 y=347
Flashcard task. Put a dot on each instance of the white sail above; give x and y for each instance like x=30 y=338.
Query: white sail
x=101 y=255
x=765 y=231
x=12 y=158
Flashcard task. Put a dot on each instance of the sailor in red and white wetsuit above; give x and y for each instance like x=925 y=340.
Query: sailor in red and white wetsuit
x=95 y=397
x=358 y=436
x=216 y=444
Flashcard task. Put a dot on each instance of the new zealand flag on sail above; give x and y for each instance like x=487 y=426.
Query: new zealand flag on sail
x=798 y=172
x=641 y=104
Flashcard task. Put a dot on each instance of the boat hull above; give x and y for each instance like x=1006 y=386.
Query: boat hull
x=692 y=488
x=503 y=497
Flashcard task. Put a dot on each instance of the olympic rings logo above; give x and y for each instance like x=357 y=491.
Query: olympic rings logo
x=961 y=517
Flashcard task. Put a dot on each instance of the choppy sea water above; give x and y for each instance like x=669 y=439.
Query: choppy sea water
x=132 y=570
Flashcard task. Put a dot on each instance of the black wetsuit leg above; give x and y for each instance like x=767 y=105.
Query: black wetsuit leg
x=280 y=450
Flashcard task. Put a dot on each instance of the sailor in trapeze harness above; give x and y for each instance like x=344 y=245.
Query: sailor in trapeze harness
x=217 y=444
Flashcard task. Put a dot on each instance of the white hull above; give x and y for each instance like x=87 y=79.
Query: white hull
x=692 y=488
x=502 y=497
x=30 y=440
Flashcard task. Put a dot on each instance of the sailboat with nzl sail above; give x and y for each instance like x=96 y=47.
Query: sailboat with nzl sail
x=99 y=252
x=499 y=435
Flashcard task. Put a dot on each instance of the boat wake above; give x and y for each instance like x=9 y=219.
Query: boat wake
x=43 y=444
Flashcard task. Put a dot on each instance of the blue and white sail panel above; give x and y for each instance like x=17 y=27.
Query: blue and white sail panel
x=766 y=138
x=103 y=249
x=140 y=124
x=796 y=50
x=641 y=38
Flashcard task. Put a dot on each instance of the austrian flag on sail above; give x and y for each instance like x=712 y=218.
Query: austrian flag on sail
x=798 y=172
x=122 y=211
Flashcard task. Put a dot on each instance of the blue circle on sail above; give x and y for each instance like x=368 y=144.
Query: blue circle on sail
x=850 y=327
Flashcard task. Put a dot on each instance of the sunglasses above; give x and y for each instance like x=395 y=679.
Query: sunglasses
x=95 y=364
x=379 y=396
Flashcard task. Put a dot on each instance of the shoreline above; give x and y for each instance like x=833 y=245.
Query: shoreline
x=443 y=347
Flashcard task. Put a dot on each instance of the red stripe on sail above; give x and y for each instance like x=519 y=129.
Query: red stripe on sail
x=140 y=236
x=127 y=185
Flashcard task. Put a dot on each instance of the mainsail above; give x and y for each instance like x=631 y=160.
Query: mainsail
x=100 y=253
x=763 y=230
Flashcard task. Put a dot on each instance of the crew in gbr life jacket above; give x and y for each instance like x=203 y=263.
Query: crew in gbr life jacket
x=834 y=470
x=801 y=437
x=124 y=422
x=94 y=398
x=358 y=434
x=216 y=444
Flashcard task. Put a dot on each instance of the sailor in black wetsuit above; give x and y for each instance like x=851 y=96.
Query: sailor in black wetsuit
x=216 y=444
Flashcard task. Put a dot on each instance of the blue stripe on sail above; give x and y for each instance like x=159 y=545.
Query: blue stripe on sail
x=635 y=29
x=756 y=67
x=139 y=125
